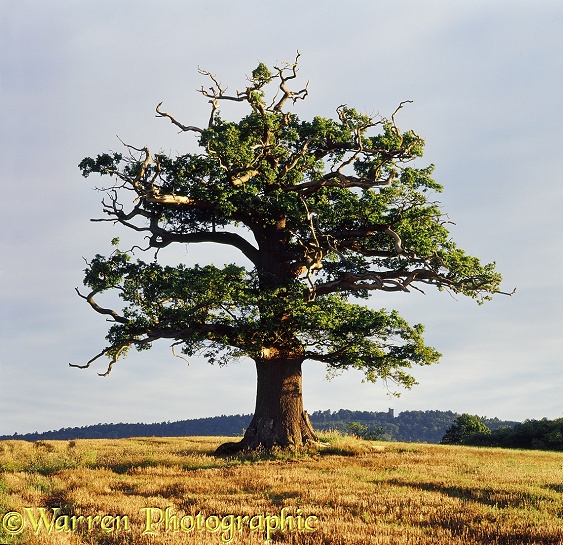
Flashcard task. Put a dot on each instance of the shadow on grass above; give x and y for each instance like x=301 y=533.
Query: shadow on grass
x=486 y=496
x=459 y=526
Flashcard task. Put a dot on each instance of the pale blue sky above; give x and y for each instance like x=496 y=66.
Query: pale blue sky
x=486 y=79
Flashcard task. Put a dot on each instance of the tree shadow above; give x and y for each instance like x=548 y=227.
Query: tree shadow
x=555 y=487
x=500 y=498
x=491 y=497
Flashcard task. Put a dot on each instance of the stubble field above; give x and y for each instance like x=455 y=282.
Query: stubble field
x=174 y=491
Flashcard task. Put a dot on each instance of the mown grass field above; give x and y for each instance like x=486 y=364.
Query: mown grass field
x=360 y=493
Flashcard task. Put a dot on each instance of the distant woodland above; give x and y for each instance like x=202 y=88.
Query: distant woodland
x=411 y=426
x=541 y=434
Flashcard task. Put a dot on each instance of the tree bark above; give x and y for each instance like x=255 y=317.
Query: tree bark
x=279 y=419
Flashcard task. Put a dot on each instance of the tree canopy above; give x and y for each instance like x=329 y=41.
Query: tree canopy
x=463 y=428
x=324 y=211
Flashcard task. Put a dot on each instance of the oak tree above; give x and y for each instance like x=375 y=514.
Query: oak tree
x=324 y=211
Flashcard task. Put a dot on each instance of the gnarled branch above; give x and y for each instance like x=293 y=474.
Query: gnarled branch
x=90 y=298
x=286 y=93
x=185 y=128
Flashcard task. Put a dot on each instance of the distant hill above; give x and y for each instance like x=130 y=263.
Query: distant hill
x=412 y=426
x=215 y=425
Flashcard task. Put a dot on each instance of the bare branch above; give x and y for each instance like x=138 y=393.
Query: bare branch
x=216 y=92
x=509 y=293
x=239 y=179
x=221 y=237
x=92 y=360
x=185 y=128
x=397 y=243
x=99 y=309
x=400 y=279
x=396 y=111
x=178 y=200
x=173 y=346
x=338 y=179
x=286 y=93
x=113 y=360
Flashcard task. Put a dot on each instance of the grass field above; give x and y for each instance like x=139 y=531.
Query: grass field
x=174 y=491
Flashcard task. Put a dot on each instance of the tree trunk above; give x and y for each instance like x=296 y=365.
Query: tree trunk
x=279 y=418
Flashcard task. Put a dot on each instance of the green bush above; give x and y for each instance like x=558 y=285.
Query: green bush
x=465 y=428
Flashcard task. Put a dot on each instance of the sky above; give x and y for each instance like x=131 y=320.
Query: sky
x=486 y=80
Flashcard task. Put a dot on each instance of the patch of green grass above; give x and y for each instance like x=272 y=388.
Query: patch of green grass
x=3 y=488
x=346 y=444
x=47 y=465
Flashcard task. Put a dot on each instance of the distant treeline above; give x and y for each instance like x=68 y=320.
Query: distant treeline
x=531 y=434
x=413 y=426
x=409 y=426
x=215 y=425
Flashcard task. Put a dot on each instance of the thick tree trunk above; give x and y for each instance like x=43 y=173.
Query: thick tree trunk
x=279 y=418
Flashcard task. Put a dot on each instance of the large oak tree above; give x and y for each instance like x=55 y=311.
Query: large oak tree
x=325 y=211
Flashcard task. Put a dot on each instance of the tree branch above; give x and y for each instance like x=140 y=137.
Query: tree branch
x=185 y=128
x=338 y=179
x=114 y=359
x=154 y=333
x=90 y=298
x=393 y=280
x=221 y=237
x=287 y=94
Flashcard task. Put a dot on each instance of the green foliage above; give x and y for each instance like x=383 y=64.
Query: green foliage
x=356 y=428
x=346 y=335
x=322 y=210
x=261 y=74
x=364 y=432
x=463 y=429
x=541 y=434
x=103 y=164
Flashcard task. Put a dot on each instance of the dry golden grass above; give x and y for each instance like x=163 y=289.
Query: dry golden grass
x=361 y=493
